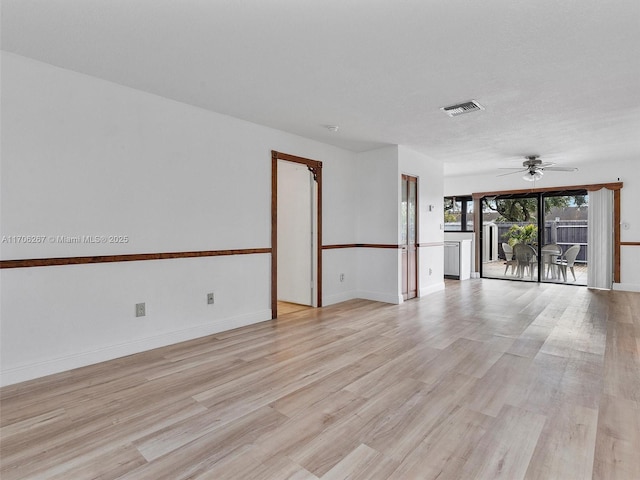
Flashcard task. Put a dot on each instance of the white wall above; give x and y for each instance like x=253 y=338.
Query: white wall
x=430 y=192
x=82 y=156
x=609 y=170
x=377 y=220
x=341 y=191
x=337 y=262
x=58 y=318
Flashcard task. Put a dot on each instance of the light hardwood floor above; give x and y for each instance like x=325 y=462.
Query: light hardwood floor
x=486 y=380
x=285 y=308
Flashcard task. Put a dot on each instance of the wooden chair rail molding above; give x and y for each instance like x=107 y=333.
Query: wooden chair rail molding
x=378 y=245
x=361 y=245
x=134 y=257
x=630 y=244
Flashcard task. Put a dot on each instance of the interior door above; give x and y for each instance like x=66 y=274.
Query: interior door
x=409 y=237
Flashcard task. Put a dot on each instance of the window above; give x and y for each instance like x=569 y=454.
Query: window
x=458 y=214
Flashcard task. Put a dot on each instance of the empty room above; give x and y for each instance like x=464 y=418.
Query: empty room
x=320 y=240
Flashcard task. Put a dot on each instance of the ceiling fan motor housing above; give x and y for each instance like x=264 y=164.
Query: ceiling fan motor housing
x=532 y=162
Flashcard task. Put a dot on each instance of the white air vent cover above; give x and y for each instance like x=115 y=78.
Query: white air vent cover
x=466 y=107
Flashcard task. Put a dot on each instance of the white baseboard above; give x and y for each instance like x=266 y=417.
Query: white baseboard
x=431 y=289
x=380 y=297
x=338 y=297
x=626 y=287
x=61 y=364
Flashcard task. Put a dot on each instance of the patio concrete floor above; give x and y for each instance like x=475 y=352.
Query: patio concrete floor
x=496 y=269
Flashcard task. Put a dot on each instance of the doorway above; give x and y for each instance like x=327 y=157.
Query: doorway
x=296 y=231
x=509 y=237
x=409 y=237
x=296 y=208
x=536 y=237
x=565 y=238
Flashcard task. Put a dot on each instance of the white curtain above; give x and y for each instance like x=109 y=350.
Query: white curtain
x=600 y=252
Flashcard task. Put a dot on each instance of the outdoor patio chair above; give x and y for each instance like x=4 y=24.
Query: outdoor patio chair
x=508 y=255
x=567 y=259
x=550 y=252
x=526 y=258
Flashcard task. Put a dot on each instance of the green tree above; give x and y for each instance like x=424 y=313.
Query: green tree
x=580 y=200
x=450 y=216
x=524 y=209
x=521 y=234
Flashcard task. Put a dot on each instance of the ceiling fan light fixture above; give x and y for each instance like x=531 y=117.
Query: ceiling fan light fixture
x=533 y=175
x=533 y=168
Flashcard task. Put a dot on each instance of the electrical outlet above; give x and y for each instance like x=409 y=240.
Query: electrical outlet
x=342 y=277
x=210 y=299
x=141 y=310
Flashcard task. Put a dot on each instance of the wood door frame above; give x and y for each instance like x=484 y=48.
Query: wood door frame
x=315 y=167
x=412 y=179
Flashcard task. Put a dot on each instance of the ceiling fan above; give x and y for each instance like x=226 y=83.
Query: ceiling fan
x=534 y=168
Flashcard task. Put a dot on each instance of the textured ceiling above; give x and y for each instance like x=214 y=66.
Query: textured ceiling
x=559 y=79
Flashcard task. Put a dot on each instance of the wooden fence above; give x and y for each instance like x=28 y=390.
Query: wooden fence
x=564 y=232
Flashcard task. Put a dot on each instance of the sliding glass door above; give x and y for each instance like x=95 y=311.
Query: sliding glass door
x=535 y=237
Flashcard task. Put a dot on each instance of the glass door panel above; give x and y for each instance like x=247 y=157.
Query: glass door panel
x=565 y=238
x=409 y=237
x=412 y=240
x=509 y=237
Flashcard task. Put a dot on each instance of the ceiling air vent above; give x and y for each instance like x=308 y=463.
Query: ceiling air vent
x=466 y=107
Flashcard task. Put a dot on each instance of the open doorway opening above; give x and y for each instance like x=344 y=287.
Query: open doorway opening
x=296 y=233
x=296 y=239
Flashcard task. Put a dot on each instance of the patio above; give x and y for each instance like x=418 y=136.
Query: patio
x=495 y=269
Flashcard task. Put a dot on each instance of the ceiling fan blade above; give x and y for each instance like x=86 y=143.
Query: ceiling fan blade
x=513 y=168
x=546 y=164
x=511 y=173
x=562 y=169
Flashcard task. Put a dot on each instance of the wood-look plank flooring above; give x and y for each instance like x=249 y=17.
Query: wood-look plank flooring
x=486 y=380
x=285 y=308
